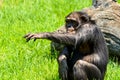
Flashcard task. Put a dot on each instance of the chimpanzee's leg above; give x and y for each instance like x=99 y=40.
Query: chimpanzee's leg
x=83 y=70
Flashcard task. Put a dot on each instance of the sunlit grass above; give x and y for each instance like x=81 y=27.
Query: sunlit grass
x=32 y=61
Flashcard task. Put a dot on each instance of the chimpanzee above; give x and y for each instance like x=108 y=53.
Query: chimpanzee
x=85 y=55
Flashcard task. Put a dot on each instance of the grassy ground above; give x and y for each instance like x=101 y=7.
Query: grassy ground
x=31 y=61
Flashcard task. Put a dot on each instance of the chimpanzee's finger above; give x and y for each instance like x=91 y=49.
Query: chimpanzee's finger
x=27 y=39
x=30 y=36
x=26 y=35
x=35 y=39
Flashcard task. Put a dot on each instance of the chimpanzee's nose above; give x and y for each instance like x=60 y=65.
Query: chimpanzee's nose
x=70 y=29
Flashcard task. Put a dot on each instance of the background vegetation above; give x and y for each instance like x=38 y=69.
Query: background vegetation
x=32 y=61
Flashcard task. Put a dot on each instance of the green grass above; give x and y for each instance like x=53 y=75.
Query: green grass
x=32 y=61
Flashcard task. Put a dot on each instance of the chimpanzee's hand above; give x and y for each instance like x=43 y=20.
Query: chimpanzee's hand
x=63 y=70
x=33 y=36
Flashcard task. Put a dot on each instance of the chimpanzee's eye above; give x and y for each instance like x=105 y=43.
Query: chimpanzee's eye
x=71 y=23
x=75 y=24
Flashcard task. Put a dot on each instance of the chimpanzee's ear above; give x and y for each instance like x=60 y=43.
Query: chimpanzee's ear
x=84 y=17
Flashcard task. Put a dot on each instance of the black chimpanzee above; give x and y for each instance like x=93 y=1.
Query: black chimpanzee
x=85 y=55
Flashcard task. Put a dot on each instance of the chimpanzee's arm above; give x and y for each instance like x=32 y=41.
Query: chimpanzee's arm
x=56 y=37
x=83 y=34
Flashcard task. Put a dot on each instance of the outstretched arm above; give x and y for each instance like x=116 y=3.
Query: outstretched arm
x=81 y=35
x=56 y=37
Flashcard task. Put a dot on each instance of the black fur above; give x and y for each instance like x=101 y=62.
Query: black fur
x=85 y=55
